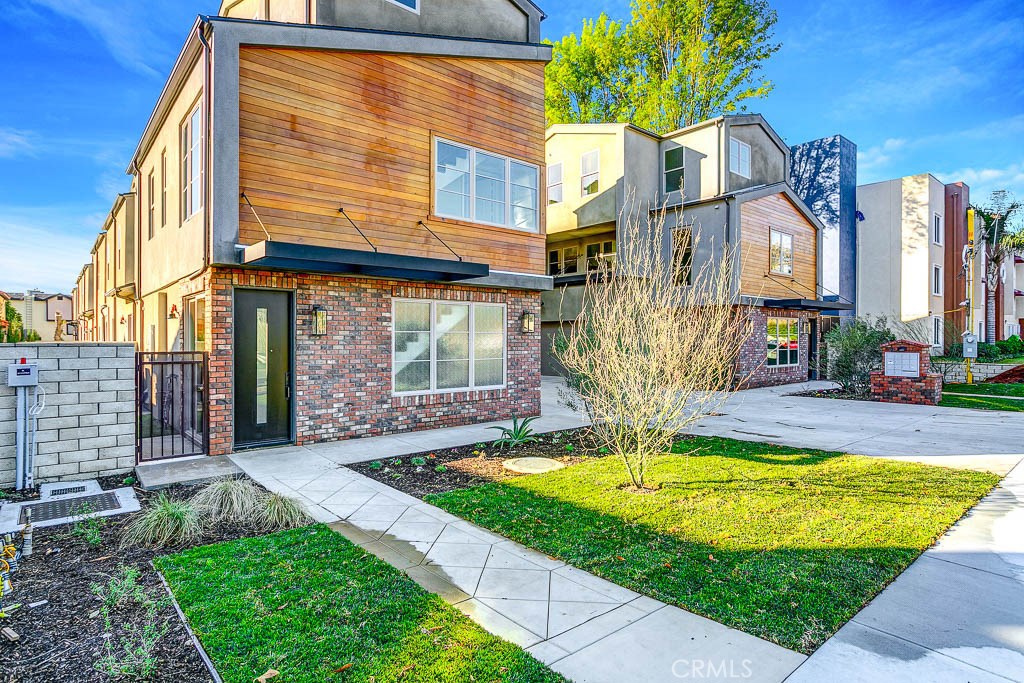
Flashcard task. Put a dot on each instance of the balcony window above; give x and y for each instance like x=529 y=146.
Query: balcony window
x=590 y=173
x=564 y=261
x=739 y=157
x=675 y=161
x=483 y=187
x=599 y=253
x=781 y=253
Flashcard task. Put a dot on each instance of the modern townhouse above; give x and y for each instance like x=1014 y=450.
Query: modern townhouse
x=724 y=184
x=341 y=204
x=106 y=309
x=42 y=312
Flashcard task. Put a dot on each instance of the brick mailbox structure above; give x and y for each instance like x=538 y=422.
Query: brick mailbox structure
x=907 y=376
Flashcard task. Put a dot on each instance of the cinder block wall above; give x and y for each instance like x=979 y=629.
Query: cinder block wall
x=88 y=426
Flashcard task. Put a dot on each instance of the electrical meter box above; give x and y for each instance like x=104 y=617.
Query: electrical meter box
x=970 y=346
x=22 y=374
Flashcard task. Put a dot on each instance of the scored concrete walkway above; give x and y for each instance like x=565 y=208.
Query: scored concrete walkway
x=585 y=627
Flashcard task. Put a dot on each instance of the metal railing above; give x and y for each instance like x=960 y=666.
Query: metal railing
x=171 y=406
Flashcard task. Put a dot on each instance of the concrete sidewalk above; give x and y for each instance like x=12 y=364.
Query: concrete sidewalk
x=585 y=627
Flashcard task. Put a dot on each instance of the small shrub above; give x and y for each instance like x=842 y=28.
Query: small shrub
x=569 y=448
x=854 y=350
x=397 y=462
x=228 y=500
x=121 y=589
x=988 y=351
x=89 y=529
x=440 y=469
x=135 y=658
x=129 y=481
x=277 y=512
x=419 y=462
x=518 y=434
x=168 y=521
x=376 y=465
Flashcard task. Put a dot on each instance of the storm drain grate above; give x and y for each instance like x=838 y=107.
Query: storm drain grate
x=57 y=509
x=68 y=490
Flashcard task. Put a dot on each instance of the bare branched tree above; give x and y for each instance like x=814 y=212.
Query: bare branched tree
x=650 y=354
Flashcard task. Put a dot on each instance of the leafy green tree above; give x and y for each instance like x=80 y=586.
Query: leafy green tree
x=854 y=350
x=14 y=323
x=678 y=62
x=1000 y=230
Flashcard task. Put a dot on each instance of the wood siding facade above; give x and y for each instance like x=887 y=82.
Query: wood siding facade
x=759 y=217
x=323 y=130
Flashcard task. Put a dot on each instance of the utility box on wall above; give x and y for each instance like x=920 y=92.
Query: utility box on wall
x=907 y=377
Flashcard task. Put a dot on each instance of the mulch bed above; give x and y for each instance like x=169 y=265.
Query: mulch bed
x=62 y=640
x=474 y=464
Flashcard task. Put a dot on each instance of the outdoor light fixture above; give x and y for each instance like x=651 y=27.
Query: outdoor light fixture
x=529 y=321
x=805 y=327
x=124 y=320
x=173 y=315
x=318 y=320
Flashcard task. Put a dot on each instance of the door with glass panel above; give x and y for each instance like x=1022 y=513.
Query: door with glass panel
x=263 y=328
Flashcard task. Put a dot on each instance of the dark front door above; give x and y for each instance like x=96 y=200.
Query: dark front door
x=263 y=324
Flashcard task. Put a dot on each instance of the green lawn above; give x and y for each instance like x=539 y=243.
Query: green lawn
x=308 y=603
x=1018 y=360
x=987 y=389
x=982 y=403
x=782 y=543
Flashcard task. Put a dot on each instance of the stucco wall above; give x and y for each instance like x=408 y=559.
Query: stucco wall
x=489 y=19
x=87 y=428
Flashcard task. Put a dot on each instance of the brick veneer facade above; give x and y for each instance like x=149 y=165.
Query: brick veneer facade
x=343 y=380
x=923 y=390
x=752 y=367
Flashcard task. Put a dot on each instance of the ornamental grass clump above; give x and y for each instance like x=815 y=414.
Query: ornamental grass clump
x=229 y=500
x=168 y=522
x=277 y=513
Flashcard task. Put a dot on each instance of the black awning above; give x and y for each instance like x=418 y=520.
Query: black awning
x=313 y=259
x=807 y=305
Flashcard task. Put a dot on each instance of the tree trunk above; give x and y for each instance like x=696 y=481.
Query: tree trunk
x=990 y=316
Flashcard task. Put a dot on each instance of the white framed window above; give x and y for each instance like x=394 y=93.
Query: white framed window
x=937 y=280
x=192 y=164
x=555 y=188
x=937 y=229
x=590 y=173
x=564 y=261
x=411 y=5
x=780 y=252
x=163 y=189
x=195 y=324
x=151 y=198
x=783 y=342
x=937 y=329
x=474 y=185
x=674 y=162
x=739 y=157
x=445 y=346
x=682 y=256
x=599 y=253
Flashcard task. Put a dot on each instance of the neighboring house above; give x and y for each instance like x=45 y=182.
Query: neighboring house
x=824 y=174
x=108 y=309
x=85 y=303
x=910 y=247
x=39 y=312
x=723 y=182
x=4 y=323
x=344 y=207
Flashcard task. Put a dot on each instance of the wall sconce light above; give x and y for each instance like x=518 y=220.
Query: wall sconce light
x=124 y=321
x=173 y=315
x=805 y=327
x=529 y=322
x=318 y=321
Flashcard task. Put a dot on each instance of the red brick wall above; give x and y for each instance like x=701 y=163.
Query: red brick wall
x=752 y=368
x=343 y=380
x=923 y=390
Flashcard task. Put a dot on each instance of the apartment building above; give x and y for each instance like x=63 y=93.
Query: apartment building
x=106 y=308
x=43 y=312
x=342 y=204
x=724 y=183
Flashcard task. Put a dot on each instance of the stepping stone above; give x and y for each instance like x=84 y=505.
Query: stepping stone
x=532 y=465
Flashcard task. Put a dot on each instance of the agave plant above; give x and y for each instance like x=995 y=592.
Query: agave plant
x=518 y=434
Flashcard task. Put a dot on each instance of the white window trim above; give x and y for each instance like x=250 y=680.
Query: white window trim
x=739 y=157
x=473 y=151
x=792 y=251
x=186 y=160
x=665 y=170
x=584 y=174
x=433 y=391
x=799 y=344
x=942 y=280
x=937 y=319
x=414 y=10
x=601 y=253
x=940 y=240
x=560 y=183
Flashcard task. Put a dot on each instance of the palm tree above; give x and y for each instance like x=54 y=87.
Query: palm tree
x=1002 y=237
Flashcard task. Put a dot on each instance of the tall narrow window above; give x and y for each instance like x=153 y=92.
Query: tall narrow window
x=937 y=339
x=555 y=192
x=163 y=189
x=262 y=365
x=937 y=280
x=191 y=164
x=682 y=256
x=675 y=160
x=554 y=262
x=937 y=229
x=151 y=193
x=570 y=260
x=739 y=157
x=783 y=342
x=781 y=252
x=490 y=188
x=590 y=173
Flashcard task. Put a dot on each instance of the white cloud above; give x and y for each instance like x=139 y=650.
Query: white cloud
x=44 y=248
x=875 y=159
x=14 y=143
x=983 y=181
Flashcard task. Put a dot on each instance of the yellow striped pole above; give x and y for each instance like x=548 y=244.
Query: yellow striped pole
x=970 y=285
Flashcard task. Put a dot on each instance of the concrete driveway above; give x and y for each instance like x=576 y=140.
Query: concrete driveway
x=956 y=437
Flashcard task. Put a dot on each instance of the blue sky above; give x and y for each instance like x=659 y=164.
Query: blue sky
x=919 y=85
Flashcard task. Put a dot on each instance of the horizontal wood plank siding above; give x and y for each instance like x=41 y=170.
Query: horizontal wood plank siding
x=323 y=130
x=758 y=217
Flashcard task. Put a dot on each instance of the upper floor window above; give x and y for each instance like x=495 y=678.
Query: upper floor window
x=151 y=194
x=590 y=173
x=937 y=280
x=555 y=193
x=739 y=157
x=564 y=261
x=163 y=189
x=191 y=164
x=675 y=161
x=682 y=256
x=937 y=229
x=937 y=331
x=599 y=253
x=486 y=188
x=781 y=252
x=411 y=5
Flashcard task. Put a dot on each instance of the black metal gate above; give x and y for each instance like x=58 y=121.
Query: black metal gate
x=170 y=405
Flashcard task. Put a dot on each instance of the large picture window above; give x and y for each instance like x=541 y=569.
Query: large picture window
x=479 y=186
x=448 y=346
x=781 y=252
x=191 y=164
x=783 y=342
